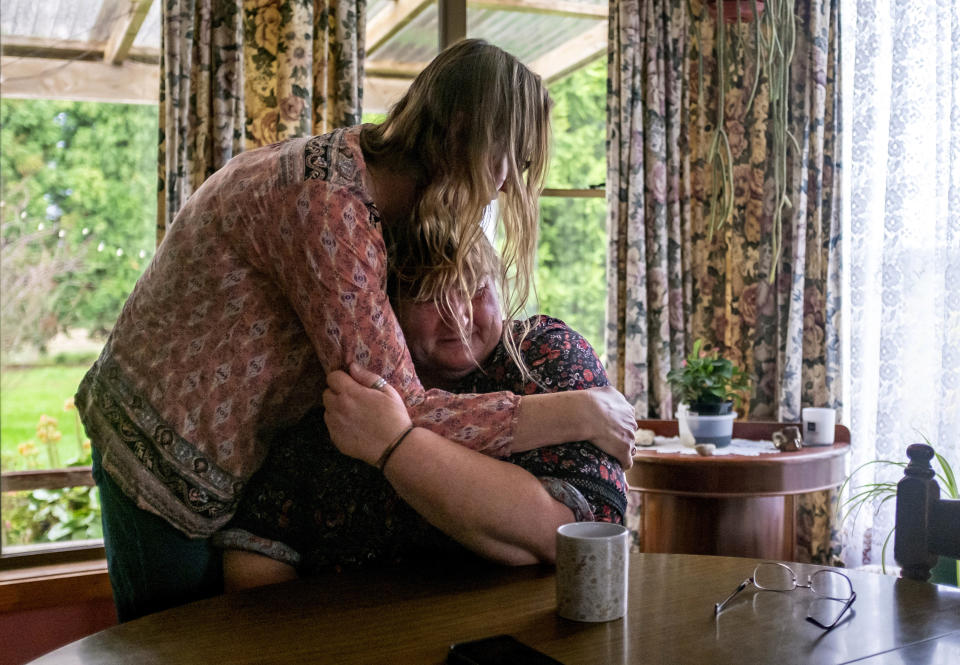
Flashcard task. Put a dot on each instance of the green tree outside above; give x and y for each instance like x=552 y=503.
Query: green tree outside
x=79 y=196
x=77 y=219
x=571 y=261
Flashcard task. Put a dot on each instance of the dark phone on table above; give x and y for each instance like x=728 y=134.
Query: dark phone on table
x=497 y=650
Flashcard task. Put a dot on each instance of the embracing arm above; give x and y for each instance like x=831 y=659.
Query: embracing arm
x=495 y=508
x=492 y=507
x=599 y=415
x=244 y=570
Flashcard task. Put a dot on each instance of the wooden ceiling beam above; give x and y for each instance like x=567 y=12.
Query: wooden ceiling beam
x=380 y=93
x=124 y=32
x=451 y=22
x=110 y=10
x=131 y=82
x=394 y=69
x=79 y=80
x=559 y=8
x=572 y=54
x=66 y=49
x=391 y=20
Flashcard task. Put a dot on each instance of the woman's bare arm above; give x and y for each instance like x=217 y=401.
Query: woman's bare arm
x=495 y=508
x=243 y=570
x=601 y=416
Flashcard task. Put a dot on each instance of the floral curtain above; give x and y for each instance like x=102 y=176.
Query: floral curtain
x=904 y=243
x=670 y=279
x=201 y=97
x=648 y=198
x=238 y=74
x=304 y=67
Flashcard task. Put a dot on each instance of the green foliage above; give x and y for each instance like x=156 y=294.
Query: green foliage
x=571 y=261
x=75 y=358
x=46 y=516
x=578 y=121
x=707 y=378
x=375 y=118
x=875 y=495
x=79 y=181
x=25 y=395
x=32 y=442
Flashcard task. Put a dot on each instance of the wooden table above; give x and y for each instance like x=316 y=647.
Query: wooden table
x=412 y=616
x=730 y=505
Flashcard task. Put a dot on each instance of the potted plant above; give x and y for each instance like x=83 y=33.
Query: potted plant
x=874 y=495
x=711 y=386
x=709 y=383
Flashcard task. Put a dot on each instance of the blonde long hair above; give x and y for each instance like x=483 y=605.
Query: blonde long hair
x=471 y=107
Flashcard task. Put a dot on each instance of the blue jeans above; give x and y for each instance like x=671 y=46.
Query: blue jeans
x=152 y=565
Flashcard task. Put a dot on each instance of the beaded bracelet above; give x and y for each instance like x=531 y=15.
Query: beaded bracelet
x=382 y=462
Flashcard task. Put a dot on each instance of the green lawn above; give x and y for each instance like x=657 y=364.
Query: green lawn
x=26 y=395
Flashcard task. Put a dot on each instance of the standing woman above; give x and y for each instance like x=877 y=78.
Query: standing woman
x=272 y=276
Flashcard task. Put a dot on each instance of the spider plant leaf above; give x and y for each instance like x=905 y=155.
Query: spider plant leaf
x=949 y=479
x=883 y=551
x=883 y=501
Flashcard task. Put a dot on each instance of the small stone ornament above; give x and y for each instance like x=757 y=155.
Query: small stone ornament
x=787 y=440
x=644 y=438
x=705 y=449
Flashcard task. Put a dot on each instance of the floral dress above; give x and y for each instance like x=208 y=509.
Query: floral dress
x=317 y=509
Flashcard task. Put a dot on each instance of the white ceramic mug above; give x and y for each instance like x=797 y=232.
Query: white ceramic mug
x=592 y=560
x=818 y=426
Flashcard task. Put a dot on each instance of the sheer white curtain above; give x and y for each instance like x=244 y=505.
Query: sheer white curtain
x=902 y=247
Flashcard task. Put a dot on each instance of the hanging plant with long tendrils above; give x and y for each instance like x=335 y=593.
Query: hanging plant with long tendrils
x=772 y=51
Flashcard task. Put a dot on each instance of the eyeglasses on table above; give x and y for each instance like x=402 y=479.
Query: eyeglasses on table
x=833 y=590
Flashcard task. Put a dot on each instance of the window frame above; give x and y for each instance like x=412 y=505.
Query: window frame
x=49 y=554
x=452 y=26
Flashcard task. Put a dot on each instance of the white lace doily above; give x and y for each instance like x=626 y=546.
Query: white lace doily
x=671 y=444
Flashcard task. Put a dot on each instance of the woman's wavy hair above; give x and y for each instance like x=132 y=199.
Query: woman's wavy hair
x=471 y=108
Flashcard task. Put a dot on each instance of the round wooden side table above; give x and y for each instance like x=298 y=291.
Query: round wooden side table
x=730 y=505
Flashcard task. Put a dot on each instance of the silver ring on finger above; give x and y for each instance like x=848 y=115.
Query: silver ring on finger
x=379 y=383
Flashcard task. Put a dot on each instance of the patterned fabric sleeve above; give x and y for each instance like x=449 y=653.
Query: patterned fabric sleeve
x=328 y=256
x=560 y=359
x=569 y=496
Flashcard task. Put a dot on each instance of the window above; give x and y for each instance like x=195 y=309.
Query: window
x=79 y=201
x=571 y=262
x=78 y=220
x=78 y=214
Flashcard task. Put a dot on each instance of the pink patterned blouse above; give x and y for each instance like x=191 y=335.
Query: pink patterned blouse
x=272 y=275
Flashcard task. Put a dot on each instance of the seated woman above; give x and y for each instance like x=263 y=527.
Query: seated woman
x=311 y=508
